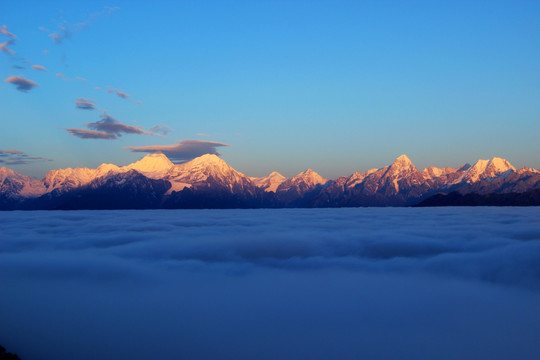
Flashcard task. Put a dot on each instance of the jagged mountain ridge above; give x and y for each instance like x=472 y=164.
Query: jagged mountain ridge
x=208 y=181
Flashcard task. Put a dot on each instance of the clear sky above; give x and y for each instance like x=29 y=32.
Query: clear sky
x=336 y=86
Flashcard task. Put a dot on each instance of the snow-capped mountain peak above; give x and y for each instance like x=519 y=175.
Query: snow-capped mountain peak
x=403 y=159
x=310 y=177
x=152 y=163
x=14 y=184
x=400 y=168
x=303 y=182
x=270 y=182
x=204 y=169
x=488 y=169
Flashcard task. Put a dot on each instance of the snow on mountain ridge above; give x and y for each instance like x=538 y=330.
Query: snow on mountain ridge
x=305 y=181
x=488 y=169
x=14 y=184
x=399 y=179
x=433 y=172
x=270 y=182
x=152 y=165
x=204 y=168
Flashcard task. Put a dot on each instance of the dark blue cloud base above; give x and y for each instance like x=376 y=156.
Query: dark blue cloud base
x=372 y=283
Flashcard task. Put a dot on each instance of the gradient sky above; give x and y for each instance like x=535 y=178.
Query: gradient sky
x=335 y=86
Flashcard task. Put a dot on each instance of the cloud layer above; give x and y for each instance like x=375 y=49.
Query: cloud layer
x=272 y=284
x=184 y=150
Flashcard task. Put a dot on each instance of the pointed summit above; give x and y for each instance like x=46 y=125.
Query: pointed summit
x=401 y=167
x=311 y=178
x=402 y=161
x=403 y=158
x=152 y=163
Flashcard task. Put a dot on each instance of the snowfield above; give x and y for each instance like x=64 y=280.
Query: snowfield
x=354 y=283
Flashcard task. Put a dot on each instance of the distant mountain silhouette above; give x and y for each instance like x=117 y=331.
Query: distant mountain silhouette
x=528 y=198
x=209 y=182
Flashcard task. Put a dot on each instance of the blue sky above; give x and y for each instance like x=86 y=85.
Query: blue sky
x=289 y=85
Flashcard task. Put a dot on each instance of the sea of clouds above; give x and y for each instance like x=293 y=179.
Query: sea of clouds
x=363 y=283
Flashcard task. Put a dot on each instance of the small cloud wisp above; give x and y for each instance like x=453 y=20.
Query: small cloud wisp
x=85 y=104
x=89 y=134
x=17 y=157
x=39 y=68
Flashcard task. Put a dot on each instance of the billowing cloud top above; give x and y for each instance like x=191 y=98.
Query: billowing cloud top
x=184 y=150
x=21 y=83
x=436 y=283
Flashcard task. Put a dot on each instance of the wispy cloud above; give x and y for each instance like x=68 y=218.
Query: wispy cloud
x=85 y=104
x=4 y=47
x=110 y=125
x=21 y=83
x=65 y=78
x=39 y=68
x=161 y=129
x=120 y=93
x=66 y=30
x=184 y=150
x=17 y=157
x=89 y=134
x=4 y=31
x=18 y=67
x=203 y=134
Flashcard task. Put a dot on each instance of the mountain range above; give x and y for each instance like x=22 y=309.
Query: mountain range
x=209 y=182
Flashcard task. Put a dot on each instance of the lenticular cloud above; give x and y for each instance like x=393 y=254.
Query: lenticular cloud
x=440 y=283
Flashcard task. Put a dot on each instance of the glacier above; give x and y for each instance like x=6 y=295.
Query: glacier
x=347 y=283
